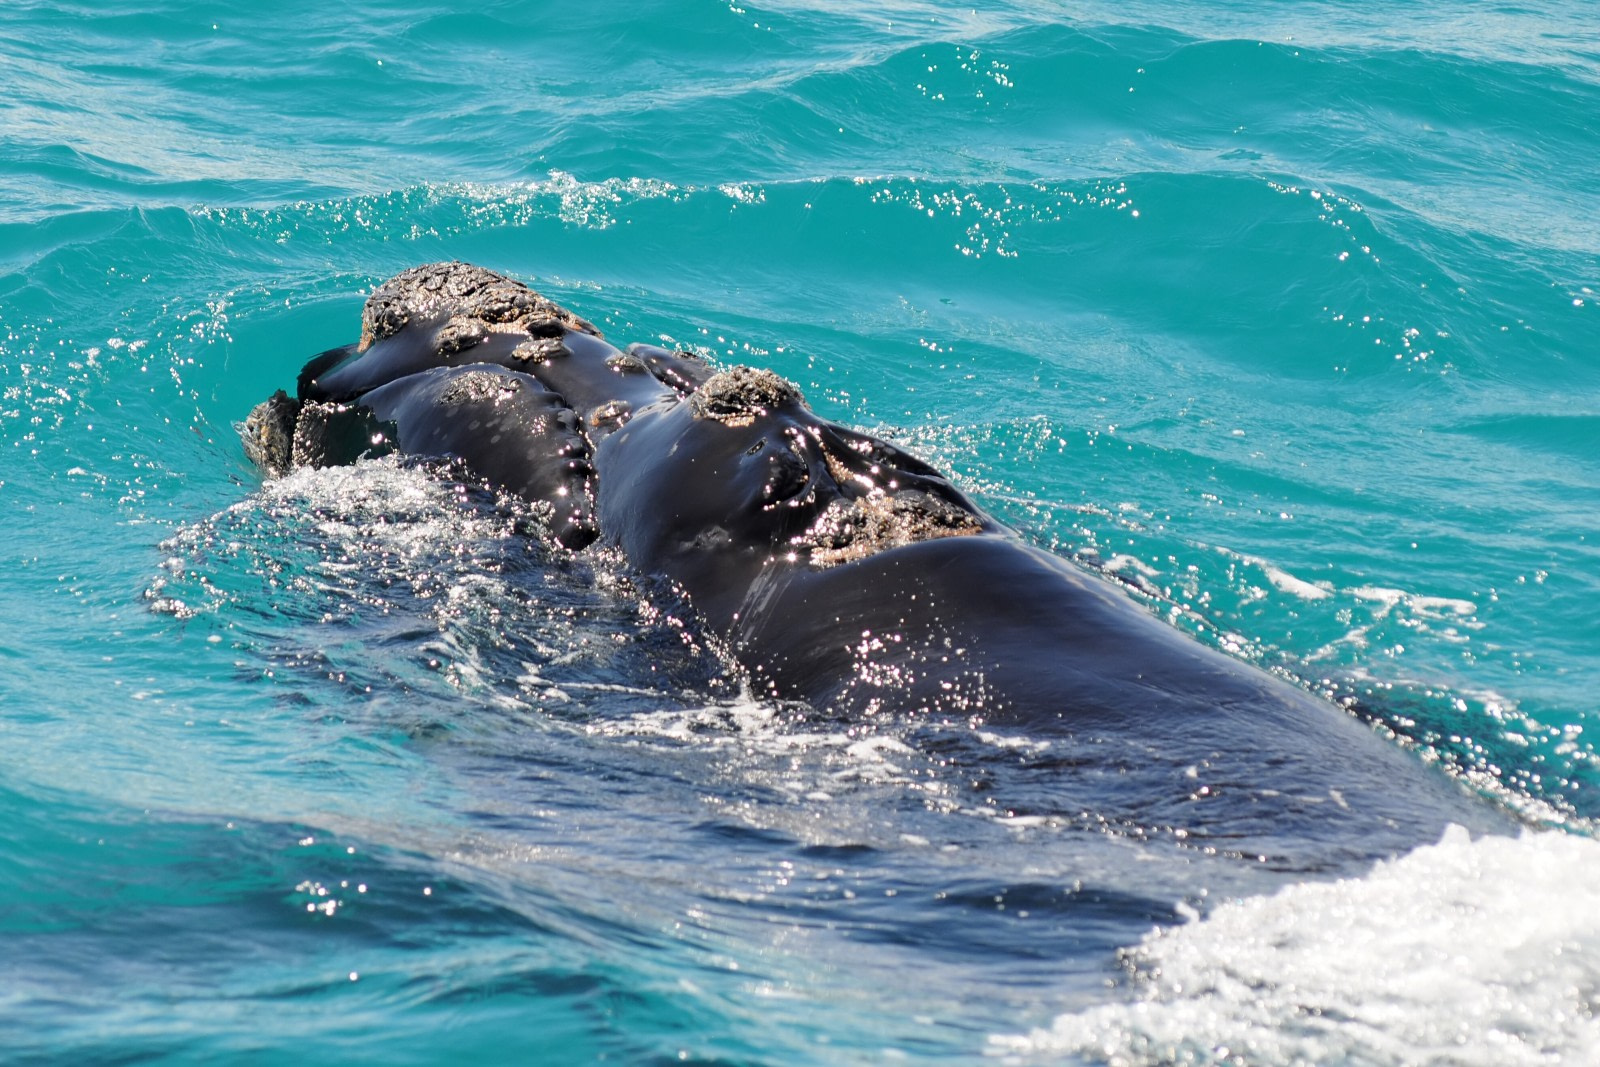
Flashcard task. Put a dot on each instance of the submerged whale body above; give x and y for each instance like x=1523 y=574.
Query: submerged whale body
x=838 y=569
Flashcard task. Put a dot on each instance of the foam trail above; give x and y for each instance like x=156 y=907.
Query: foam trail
x=1465 y=952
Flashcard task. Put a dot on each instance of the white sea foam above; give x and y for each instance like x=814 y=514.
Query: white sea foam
x=1465 y=952
x=1285 y=582
x=1120 y=562
x=1428 y=607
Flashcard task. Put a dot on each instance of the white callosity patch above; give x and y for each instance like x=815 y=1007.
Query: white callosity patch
x=1465 y=952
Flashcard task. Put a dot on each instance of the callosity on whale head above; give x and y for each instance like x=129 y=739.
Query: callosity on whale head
x=744 y=470
x=443 y=369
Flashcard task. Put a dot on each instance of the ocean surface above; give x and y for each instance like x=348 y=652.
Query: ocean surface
x=1286 y=315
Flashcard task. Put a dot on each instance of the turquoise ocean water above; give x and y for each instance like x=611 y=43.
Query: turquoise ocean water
x=1287 y=314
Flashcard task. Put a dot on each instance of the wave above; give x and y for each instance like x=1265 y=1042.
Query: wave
x=1055 y=338
x=1464 y=953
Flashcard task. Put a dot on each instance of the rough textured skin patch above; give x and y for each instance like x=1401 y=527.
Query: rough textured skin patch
x=459 y=334
x=737 y=396
x=479 y=300
x=282 y=434
x=327 y=435
x=611 y=413
x=540 y=350
x=854 y=529
x=627 y=363
x=268 y=433
x=479 y=386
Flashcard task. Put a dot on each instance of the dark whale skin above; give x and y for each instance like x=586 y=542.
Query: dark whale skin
x=841 y=571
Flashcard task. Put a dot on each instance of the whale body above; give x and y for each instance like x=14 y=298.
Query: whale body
x=836 y=568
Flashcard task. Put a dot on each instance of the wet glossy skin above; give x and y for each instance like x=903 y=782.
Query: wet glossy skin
x=564 y=389
x=725 y=503
x=715 y=504
x=584 y=370
x=716 y=508
x=513 y=432
x=988 y=630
